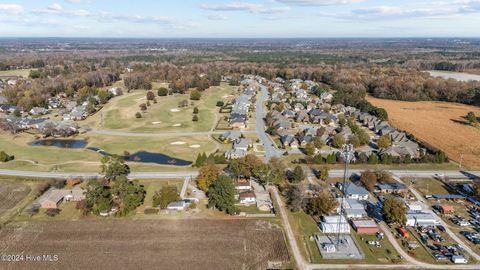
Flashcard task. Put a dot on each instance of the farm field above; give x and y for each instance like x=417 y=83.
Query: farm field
x=11 y=193
x=165 y=244
x=165 y=116
x=439 y=124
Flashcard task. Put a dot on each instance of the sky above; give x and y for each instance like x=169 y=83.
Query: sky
x=239 y=19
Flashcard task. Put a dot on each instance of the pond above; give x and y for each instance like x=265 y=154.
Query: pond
x=147 y=157
x=60 y=143
x=460 y=76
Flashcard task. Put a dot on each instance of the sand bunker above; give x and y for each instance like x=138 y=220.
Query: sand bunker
x=227 y=96
x=194 y=146
x=176 y=125
x=178 y=143
x=174 y=110
x=156 y=123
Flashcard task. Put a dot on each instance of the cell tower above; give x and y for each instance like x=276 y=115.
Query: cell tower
x=348 y=155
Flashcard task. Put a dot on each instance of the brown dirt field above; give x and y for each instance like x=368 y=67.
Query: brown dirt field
x=437 y=123
x=145 y=244
x=11 y=193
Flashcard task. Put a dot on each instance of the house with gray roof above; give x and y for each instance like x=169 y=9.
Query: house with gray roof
x=353 y=191
x=231 y=136
x=242 y=144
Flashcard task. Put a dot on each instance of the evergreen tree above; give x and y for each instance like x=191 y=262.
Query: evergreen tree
x=221 y=195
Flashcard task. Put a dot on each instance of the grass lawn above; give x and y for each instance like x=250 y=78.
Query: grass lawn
x=41 y=158
x=428 y=186
x=251 y=209
x=23 y=193
x=151 y=186
x=304 y=226
x=165 y=116
x=384 y=254
x=16 y=72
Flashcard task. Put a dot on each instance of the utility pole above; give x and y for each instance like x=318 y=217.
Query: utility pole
x=347 y=154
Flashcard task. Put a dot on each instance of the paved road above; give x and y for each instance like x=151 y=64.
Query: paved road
x=133 y=175
x=183 y=174
x=270 y=149
x=410 y=173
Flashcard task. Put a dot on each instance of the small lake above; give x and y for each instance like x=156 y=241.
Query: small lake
x=459 y=76
x=74 y=144
x=147 y=157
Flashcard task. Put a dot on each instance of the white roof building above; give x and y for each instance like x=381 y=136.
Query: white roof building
x=334 y=224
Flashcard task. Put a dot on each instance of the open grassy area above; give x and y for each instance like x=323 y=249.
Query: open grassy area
x=429 y=186
x=16 y=72
x=42 y=158
x=304 y=226
x=384 y=254
x=165 y=116
x=440 y=124
x=15 y=195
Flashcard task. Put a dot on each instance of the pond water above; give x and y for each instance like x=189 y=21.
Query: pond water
x=75 y=144
x=148 y=157
x=460 y=76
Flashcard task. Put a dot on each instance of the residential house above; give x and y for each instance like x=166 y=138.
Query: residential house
x=8 y=108
x=38 y=111
x=242 y=144
x=353 y=191
x=242 y=185
x=76 y=194
x=230 y=136
x=51 y=199
x=289 y=140
x=177 y=206
x=238 y=120
x=235 y=154
x=393 y=188
x=247 y=197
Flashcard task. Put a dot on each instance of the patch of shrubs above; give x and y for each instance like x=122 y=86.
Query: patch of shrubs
x=150 y=211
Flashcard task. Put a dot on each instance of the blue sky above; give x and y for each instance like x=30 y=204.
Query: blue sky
x=254 y=18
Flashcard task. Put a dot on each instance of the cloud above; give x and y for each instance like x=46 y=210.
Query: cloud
x=318 y=2
x=216 y=17
x=58 y=10
x=11 y=9
x=420 y=9
x=243 y=6
x=55 y=7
